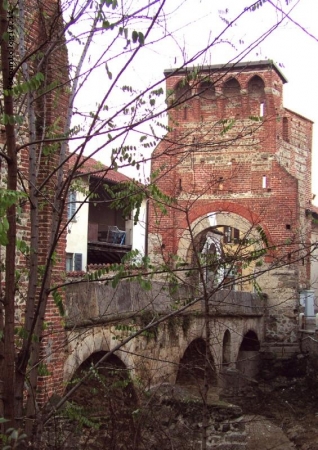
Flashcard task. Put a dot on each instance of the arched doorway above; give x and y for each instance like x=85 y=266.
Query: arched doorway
x=207 y=257
x=248 y=357
x=196 y=359
x=219 y=256
x=103 y=404
x=229 y=249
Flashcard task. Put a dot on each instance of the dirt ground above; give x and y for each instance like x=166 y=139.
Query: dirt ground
x=285 y=404
x=279 y=414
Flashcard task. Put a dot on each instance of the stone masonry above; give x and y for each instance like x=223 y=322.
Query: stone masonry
x=235 y=153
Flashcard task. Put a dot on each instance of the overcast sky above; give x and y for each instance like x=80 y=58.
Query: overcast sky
x=292 y=46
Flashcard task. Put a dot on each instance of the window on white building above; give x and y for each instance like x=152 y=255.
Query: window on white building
x=74 y=262
x=69 y=262
x=71 y=205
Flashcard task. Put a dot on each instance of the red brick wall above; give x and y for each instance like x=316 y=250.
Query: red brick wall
x=43 y=22
x=56 y=105
x=209 y=168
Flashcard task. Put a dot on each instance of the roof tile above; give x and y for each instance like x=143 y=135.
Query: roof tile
x=90 y=166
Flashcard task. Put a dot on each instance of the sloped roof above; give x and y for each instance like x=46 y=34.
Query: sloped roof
x=94 y=168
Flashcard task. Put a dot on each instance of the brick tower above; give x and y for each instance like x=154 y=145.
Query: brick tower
x=38 y=262
x=238 y=165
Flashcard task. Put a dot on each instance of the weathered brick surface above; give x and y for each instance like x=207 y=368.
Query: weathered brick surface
x=220 y=157
x=52 y=111
x=43 y=25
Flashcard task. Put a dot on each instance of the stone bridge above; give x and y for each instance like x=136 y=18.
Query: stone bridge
x=99 y=317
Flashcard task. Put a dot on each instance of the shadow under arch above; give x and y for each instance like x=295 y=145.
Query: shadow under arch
x=256 y=86
x=106 y=398
x=231 y=88
x=226 y=348
x=206 y=91
x=92 y=341
x=182 y=91
x=256 y=96
x=191 y=371
x=248 y=359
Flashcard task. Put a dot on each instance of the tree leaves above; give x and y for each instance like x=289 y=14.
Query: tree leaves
x=58 y=300
x=7 y=199
x=257 y=5
x=138 y=37
x=22 y=88
x=108 y=3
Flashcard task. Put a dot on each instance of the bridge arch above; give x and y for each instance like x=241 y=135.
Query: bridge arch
x=106 y=395
x=192 y=365
x=83 y=344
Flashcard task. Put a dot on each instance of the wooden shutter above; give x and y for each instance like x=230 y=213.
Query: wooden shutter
x=78 y=262
x=71 y=206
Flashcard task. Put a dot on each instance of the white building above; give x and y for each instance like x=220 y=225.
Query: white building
x=98 y=233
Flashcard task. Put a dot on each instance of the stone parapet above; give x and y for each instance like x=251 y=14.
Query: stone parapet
x=93 y=302
x=227 y=302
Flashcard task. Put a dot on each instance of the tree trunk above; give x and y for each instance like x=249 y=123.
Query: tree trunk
x=8 y=369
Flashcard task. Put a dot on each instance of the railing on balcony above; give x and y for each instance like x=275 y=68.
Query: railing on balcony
x=106 y=246
x=113 y=235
